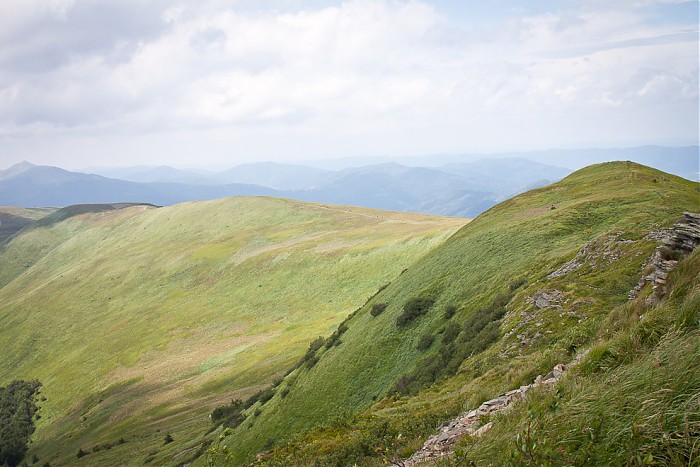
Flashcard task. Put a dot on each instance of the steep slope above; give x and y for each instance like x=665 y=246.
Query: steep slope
x=521 y=287
x=36 y=240
x=13 y=219
x=632 y=400
x=138 y=321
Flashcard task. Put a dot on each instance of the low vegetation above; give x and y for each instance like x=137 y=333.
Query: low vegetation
x=18 y=410
x=634 y=399
x=458 y=342
x=182 y=306
x=461 y=325
x=508 y=321
x=377 y=309
x=414 y=308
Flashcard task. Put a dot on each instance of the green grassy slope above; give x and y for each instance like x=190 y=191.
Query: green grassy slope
x=611 y=207
x=633 y=400
x=139 y=321
x=13 y=219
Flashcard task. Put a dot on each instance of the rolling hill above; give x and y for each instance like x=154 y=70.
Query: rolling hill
x=529 y=283
x=139 y=320
x=14 y=219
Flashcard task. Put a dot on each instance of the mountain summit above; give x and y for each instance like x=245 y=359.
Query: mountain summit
x=16 y=170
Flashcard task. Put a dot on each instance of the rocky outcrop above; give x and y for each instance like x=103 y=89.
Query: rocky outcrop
x=676 y=241
x=547 y=299
x=470 y=423
x=599 y=252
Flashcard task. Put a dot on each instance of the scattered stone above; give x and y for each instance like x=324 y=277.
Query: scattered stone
x=676 y=241
x=546 y=298
x=599 y=252
x=441 y=444
x=558 y=370
x=482 y=430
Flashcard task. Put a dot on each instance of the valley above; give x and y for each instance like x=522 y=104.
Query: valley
x=140 y=320
x=337 y=335
x=349 y=233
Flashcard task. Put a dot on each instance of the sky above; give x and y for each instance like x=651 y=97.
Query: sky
x=213 y=83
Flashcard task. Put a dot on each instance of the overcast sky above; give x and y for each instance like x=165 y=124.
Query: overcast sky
x=217 y=83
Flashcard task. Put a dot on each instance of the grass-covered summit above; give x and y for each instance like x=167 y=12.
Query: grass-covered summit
x=524 y=286
x=140 y=320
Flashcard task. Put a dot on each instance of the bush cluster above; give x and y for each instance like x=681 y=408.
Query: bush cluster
x=377 y=309
x=414 y=308
x=425 y=341
x=334 y=339
x=17 y=413
x=232 y=414
x=450 y=311
x=479 y=331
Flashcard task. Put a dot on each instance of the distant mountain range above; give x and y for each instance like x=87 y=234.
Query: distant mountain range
x=680 y=160
x=457 y=189
x=27 y=185
x=461 y=186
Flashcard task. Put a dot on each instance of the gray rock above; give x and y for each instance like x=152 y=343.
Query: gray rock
x=480 y=432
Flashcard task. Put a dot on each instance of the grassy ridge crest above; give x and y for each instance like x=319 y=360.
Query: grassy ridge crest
x=611 y=207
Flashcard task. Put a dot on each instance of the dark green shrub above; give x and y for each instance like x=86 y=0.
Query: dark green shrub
x=168 y=439
x=225 y=411
x=310 y=363
x=334 y=339
x=316 y=344
x=235 y=420
x=450 y=311
x=425 y=342
x=377 y=309
x=457 y=343
x=81 y=453
x=232 y=414
x=18 y=411
x=265 y=395
x=414 y=308
x=451 y=332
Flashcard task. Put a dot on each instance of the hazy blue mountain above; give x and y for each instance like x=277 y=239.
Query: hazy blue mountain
x=505 y=176
x=160 y=174
x=16 y=170
x=396 y=187
x=461 y=203
x=279 y=176
x=682 y=160
x=52 y=186
x=456 y=190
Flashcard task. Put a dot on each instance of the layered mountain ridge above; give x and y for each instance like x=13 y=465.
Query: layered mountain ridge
x=224 y=325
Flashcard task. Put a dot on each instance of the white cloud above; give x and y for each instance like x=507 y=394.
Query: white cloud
x=375 y=69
